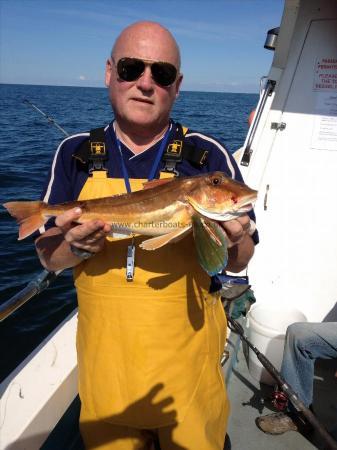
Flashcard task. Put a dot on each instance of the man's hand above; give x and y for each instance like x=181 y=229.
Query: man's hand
x=236 y=229
x=53 y=246
x=240 y=243
x=89 y=236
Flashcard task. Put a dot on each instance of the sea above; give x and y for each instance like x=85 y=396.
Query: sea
x=28 y=141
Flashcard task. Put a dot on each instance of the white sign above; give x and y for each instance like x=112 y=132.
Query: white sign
x=325 y=78
x=324 y=136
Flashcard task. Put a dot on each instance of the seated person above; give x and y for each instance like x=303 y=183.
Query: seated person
x=304 y=343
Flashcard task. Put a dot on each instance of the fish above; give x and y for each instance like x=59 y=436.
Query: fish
x=165 y=209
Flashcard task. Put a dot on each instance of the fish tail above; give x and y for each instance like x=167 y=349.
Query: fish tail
x=28 y=215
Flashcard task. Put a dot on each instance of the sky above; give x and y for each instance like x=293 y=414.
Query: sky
x=58 y=42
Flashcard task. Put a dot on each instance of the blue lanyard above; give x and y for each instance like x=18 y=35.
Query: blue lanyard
x=156 y=162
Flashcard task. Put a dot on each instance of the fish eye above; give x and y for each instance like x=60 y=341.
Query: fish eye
x=216 y=181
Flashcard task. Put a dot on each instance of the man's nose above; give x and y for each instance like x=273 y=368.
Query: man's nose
x=145 y=82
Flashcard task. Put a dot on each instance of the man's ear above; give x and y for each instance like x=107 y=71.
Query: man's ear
x=108 y=69
x=178 y=84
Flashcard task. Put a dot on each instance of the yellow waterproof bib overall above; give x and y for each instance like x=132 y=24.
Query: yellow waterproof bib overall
x=148 y=350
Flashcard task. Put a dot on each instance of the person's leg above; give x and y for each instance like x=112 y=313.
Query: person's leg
x=100 y=435
x=205 y=423
x=305 y=342
x=204 y=426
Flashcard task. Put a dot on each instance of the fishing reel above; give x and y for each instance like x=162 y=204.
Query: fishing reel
x=279 y=400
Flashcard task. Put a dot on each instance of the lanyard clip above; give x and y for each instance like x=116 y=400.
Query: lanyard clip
x=130 y=263
x=170 y=167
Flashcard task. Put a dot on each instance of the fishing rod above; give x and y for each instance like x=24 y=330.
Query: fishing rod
x=44 y=278
x=285 y=387
x=34 y=287
x=50 y=119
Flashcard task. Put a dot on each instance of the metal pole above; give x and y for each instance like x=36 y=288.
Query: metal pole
x=286 y=388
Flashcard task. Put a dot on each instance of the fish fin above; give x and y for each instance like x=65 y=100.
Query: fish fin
x=28 y=215
x=211 y=243
x=163 y=239
x=154 y=183
x=207 y=224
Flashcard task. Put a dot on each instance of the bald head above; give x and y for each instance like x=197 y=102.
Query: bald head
x=147 y=40
x=142 y=104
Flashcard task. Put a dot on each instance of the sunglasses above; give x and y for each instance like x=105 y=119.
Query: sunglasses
x=130 y=69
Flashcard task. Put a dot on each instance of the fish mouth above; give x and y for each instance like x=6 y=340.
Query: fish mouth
x=247 y=203
x=242 y=207
x=245 y=208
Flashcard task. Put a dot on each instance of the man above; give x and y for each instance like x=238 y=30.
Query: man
x=304 y=343
x=149 y=349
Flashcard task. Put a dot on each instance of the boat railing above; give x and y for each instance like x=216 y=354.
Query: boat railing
x=266 y=92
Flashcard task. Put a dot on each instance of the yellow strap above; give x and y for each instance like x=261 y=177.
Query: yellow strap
x=100 y=174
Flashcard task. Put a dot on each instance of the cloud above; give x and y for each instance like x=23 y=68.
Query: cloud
x=82 y=77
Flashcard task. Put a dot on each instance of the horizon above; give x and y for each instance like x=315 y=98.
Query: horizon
x=103 y=87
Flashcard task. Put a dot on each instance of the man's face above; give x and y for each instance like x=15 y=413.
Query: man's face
x=142 y=102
